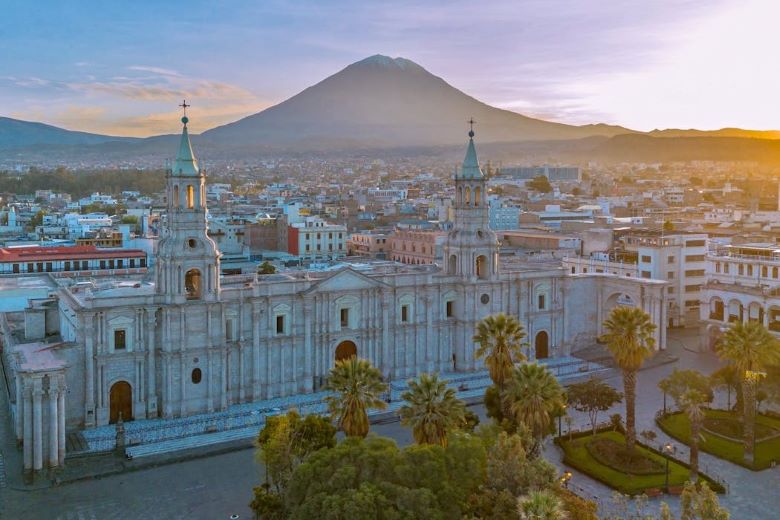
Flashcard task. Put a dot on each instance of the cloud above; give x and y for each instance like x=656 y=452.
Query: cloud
x=156 y=70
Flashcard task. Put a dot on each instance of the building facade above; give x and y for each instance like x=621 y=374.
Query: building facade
x=188 y=341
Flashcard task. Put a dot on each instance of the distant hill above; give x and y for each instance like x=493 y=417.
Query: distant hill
x=16 y=133
x=386 y=102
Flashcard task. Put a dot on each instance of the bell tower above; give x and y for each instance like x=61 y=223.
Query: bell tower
x=187 y=259
x=471 y=247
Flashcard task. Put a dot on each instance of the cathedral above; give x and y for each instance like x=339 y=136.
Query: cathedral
x=185 y=340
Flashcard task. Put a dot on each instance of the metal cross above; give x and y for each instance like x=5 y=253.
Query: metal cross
x=184 y=105
x=471 y=124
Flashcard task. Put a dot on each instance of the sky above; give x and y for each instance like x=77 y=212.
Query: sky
x=122 y=68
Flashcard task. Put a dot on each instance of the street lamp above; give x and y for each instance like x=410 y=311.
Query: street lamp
x=668 y=448
x=565 y=478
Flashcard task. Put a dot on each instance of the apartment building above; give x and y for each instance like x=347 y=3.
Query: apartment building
x=680 y=260
x=315 y=239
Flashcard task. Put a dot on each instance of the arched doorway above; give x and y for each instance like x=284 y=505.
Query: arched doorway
x=541 y=344
x=346 y=350
x=121 y=400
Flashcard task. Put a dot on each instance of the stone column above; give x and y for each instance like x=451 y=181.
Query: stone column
x=89 y=377
x=28 y=429
x=19 y=426
x=54 y=423
x=387 y=360
x=428 y=332
x=37 y=427
x=256 y=375
x=241 y=350
x=307 y=361
x=151 y=391
x=61 y=425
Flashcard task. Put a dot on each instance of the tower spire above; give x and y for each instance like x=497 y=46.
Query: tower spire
x=185 y=163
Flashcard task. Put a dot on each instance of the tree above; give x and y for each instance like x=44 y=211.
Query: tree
x=541 y=505
x=500 y=339
x=699 y=502
x=592 y=396
x=540 y=183
x=691 y=392
x=358 y=387
x=726 y=377
x=680 y=381
x=37 y=219
x=751 y=349
x=432 y=410
x=509 y=468
x=286 y=440
x=694 y=403
x=266 y=268
x=371 y=478
x=533 y=398
x=630 y=340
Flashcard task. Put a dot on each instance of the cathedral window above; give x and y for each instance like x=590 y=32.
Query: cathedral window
x=542 y=303
x=197 y=375
x=467 y=196
x=405 y=313
x=453 y=267
x=190 y=196
x=176 y=199
x=344 y=318
x=280 y=324
x=477 y=194
x=192 y=284
x=229 y=330
x=192 y=243
x=120 y=339
x=481 y=266
x=450 y=309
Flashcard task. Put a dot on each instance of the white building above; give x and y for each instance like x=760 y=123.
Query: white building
x=680 y=260
x=190 y=342
x=743 y=284
x=314 y=239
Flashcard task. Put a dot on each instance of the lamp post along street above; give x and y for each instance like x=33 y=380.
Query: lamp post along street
x=667 y=452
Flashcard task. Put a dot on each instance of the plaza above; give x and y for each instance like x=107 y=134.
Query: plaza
x=220 y=485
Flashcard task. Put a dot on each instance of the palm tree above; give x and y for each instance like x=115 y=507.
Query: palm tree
x=751 y=349
x=533 y=397
x=694 y=404
x=541 y=505
x=432 y=410
x=500 y=339
x=629 y=337
x=358 y=387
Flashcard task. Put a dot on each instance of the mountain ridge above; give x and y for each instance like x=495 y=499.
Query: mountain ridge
x=377 y=102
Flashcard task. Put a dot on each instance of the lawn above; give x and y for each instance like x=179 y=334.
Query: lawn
x=678 y=426
x=579 y=456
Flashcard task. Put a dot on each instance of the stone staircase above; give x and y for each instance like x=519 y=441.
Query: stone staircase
x=75 y=443
x=187 y=443
x=469 y=386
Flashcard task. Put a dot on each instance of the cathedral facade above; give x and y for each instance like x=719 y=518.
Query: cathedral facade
x=188 y=341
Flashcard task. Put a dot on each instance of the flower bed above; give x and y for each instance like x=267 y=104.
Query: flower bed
x=616 y=456
x=678 y=425
x=577 y=455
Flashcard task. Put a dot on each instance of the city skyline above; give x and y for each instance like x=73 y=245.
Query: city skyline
x=666 y=65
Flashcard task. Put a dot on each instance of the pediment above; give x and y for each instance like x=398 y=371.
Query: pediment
x=346 y=280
